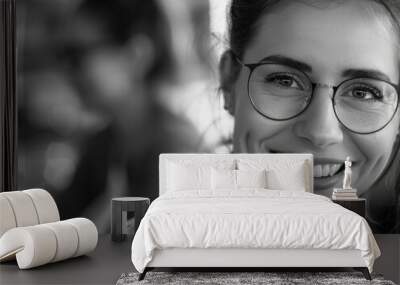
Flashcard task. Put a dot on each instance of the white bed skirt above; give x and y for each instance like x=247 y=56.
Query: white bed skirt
x=235 y=257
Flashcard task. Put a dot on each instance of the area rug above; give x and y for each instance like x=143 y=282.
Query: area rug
x=273 y=278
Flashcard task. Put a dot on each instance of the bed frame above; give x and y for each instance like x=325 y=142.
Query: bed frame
x=246 y=258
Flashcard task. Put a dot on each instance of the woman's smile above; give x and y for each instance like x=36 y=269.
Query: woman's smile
x=328 y=170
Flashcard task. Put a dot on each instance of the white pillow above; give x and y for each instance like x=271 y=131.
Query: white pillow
x=281 y=174
x=204 y=162
x=251 y=178
x=181 y=178
x=289 y=179
x=190 y=174
x=223 y=179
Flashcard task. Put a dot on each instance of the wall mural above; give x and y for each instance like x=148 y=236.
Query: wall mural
x=104 y=87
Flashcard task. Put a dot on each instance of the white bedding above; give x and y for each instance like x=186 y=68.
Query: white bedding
x=251 y=218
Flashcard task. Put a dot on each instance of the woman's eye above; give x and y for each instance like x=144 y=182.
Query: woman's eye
x=285 y=81
x=365 y=93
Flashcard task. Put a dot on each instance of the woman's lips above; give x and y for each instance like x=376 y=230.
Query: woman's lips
x=327 y=169
x=327 y=182
x=328 y=175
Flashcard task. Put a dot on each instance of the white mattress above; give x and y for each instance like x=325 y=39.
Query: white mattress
x=252 y=218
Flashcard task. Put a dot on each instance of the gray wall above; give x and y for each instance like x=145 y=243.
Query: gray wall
x=389 y=262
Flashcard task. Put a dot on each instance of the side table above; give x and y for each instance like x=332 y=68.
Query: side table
x=119 y=215
x=357 y=205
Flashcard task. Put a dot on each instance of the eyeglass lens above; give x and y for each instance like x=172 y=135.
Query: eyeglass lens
x=362 y=105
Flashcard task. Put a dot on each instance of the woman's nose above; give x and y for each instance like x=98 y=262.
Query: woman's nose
x=318 y=125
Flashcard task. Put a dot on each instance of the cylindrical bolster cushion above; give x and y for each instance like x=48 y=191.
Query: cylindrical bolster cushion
x=33 y=246
x=7 y=218
x=45 y=205
x=87 y=233
x=41 y=244
x=67 y=239
x=23 y=208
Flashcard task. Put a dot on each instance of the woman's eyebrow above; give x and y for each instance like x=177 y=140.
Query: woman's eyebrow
x=366 y=73
x=288 y=62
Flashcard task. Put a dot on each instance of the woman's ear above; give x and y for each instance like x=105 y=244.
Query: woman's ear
x=229 y=70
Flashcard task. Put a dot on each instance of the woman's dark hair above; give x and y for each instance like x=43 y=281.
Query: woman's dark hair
x=243 y=19
x=245 y=14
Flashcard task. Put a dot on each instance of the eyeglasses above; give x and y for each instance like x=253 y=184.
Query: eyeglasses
x=362 y=105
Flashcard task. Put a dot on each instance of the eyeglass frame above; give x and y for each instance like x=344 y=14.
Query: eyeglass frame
x=253 y=66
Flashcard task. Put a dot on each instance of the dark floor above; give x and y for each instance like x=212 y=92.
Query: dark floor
x=103 y=266
x=110 y=260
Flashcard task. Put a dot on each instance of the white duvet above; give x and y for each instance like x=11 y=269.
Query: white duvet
x=250 y=218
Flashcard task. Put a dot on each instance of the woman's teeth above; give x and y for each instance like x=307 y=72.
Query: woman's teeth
x=323 y=170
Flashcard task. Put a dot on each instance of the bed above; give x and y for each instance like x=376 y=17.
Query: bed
x=247 y=211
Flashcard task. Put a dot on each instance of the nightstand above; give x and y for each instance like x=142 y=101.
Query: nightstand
x=357 y=205
x=121 y=208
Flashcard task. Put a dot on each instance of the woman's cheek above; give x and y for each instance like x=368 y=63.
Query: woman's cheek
x=252 y=129
x=376 y=150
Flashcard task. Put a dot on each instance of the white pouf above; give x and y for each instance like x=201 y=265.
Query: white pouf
x=40 y=244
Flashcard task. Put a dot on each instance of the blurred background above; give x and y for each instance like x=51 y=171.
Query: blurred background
x=104 y=87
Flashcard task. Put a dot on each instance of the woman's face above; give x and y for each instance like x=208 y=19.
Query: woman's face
x=332 y=41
